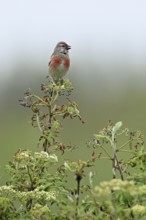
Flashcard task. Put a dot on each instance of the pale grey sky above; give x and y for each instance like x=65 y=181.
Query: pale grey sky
x=103 y=29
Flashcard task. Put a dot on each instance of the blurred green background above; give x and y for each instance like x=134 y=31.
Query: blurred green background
x=107 y=67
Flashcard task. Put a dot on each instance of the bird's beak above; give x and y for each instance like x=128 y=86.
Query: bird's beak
x=68 y=47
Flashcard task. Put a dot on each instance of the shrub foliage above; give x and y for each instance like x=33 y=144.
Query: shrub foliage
x=39 y=185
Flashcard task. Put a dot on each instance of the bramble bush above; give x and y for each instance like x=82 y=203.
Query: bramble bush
x=38 y=187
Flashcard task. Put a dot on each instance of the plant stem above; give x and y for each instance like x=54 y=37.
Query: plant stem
x=109 y=156
x=116 y=164
x=40 y=99
x=29 y=202
x=78 y=179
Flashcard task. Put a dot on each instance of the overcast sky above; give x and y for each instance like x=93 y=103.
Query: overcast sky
x=104 y=29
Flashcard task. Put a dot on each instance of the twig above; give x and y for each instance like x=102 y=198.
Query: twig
x=124 y=144
x=38 y=123
x=106 y=152
x=40 y=99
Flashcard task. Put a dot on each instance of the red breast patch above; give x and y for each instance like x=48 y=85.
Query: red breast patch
x=67 y=62
x=55 y=61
